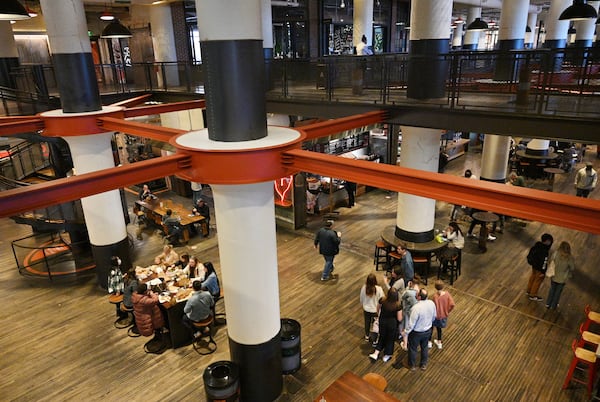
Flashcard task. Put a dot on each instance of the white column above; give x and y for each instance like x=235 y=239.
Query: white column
x=7 y=38
x=494 y=157
x=585 y=28
x=471 y=40
x=513 y=20
x=362 y=21
x=530 y=36
x=457 y=36
x=420 y=150
x=267 y=26
x=163 y=43
x=556 y=30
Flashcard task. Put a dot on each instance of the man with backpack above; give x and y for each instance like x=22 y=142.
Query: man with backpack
x=538 y=259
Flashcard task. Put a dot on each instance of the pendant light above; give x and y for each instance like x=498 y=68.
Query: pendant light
x=477 y=25
x=116 y=30
x=342 y=4
x=579 y=10
x=12 y=10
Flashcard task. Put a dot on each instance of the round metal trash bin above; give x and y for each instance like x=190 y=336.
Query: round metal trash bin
x=290 y=346
x=222 y=382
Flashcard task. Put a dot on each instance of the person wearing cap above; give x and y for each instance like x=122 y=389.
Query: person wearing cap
x=585 y=180
x=328 y=242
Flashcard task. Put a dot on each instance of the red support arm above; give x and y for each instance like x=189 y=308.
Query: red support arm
x=557 y=209
x=345 y=123
x=159 y=133
x=164 y=108
x=72 y=188
x=18 y=125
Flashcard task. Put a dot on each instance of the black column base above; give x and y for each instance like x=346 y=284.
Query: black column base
x=421 y=237
x=261 y=378
x=102 y=256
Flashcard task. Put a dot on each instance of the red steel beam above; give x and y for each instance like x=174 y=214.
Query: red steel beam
x=132 y=101
x=345 y=123
x=159 y=133
x=28 y=198
x=164 y=108
x=20 y=125
x=577 y=213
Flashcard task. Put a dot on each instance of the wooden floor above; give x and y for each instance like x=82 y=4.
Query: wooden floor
x=59 y=343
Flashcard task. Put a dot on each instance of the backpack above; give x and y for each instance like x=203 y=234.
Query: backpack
x=530 y=256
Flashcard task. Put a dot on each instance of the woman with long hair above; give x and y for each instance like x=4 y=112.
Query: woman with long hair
x=211 y=282
x=564 y=264
x=389 y=307
x=370 y=294
x=457 y=242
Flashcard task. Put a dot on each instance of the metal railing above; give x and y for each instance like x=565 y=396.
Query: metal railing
x=24 y=159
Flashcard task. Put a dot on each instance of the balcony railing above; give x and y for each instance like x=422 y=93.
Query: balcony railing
x=558 y=83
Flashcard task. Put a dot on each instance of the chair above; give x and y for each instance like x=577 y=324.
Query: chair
x=117 y=300
x=588 y=338
x=202 y=346
x=132 y=331
x=453 y=268
x=425 y=262
x=381 y=255
x=376 y=380
x=591 y=317
x=585 y=358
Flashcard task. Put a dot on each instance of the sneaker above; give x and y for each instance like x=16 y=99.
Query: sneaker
x=429 y=345
x=386 y=358
x=367 y=338
x=438 y=343
x=547 y=306
x=470 y=235
x=491 y=237
x=412 y=368
x=424 y=367
x=324 y=279
x=535 y=298
x=373 y=356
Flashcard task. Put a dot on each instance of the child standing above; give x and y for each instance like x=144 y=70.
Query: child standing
x=444 y=304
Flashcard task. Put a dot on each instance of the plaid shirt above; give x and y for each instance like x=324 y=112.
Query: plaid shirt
x=115 y=281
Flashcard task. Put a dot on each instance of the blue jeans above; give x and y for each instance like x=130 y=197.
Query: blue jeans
x=554 y=294
x=328 y=268
x=416 y=339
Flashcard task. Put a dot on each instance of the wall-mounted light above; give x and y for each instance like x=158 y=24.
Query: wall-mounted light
x=579 y=10
x=12 y=10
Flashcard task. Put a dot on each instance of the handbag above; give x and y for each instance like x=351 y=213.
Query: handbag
x=550 y=272
x=375 y=325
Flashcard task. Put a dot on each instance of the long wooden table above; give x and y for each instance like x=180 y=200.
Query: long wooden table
x=155 y=210
x=351 y=388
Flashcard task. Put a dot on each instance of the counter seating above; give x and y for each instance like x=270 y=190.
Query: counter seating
x=583 y=360
x=381 y=255
x=590 y=317
x=202 y=346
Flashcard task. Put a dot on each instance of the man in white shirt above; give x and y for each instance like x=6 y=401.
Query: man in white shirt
x=419 y=328
x=585 y=180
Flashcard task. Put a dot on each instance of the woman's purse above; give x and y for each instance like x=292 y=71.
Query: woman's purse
x=551 y=271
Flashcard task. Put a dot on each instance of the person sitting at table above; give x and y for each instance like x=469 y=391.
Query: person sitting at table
x=194 y=269
x=197 y=308
x=408 y=267
x=201 y=209
x=184 y=260
x=145 y=194
x=211 y=282
x=148 y=318
x=172 y=225
x=130 y=285
x=168 y=257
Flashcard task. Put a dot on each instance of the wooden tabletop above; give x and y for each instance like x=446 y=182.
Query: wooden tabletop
x=351 y=388
x=553 y=170
x=389 y=236
x=486 y=216
x=160 y=208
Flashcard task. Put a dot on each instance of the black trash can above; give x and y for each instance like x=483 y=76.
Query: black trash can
x=222 y=382
x=290 y=346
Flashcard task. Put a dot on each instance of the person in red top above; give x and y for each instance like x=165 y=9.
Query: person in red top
x=444 y=304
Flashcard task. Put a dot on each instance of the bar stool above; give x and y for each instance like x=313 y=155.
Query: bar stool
x=376 y=380
x=453 y=268
x=132 y=331
x=425 y=262
x=591 y=317
x=588 y=338
x=117 y=300
x=586 y=358
x=381 y=255
x=202 y=346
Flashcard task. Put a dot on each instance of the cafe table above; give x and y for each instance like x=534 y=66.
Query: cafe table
x=352 y=388
x=551 y=171
x=155 y=210
x=485 y=218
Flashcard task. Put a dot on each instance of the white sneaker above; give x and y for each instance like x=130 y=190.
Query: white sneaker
x=429 y=345
x=373 y=356
x=438 y=343
x=386 y=358
x=491 y=237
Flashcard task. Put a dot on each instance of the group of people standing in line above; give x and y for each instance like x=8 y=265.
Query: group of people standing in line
x=137 y=296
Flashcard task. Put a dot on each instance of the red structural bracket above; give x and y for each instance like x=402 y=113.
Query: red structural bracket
x=345 y=123
x=140 y=129
x=132 y=101
x=18 y=125
x=28 y=198
x=557 y=209
x=164 y=108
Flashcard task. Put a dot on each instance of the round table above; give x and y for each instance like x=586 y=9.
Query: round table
x=551 y=172
x=485 y=217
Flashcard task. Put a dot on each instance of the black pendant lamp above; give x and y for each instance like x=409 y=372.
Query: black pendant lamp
x=579 y=10
x=116 y=30
x=527 y=29
x=12 y=10
x=477 y=25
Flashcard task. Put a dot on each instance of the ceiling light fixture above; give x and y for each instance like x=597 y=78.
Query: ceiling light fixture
x=107 y=16
x=579 y=10
x=527 y=29
x=342 y=4
x=12 y=10
x=477 y=25
x=116 y=30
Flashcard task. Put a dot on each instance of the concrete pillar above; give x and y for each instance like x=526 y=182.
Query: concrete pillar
x=163 y=43
x=471 y=40
x=530 y=36
x=457 y=36
x=511 y=35
x=76 y=78
x=494 y=158
x=585 y=29
x=232 y=49
x=429 y=37
x=556 y=30
x=415 y=216
x=9 y=57
x=362 y=22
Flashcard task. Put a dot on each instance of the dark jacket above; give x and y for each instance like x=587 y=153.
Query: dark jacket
x=328 y=241
x=538 y=256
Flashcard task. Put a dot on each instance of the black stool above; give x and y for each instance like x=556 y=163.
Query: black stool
x=202 y=346
x=381 y=255
x=132 y=331
x=453 y=267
